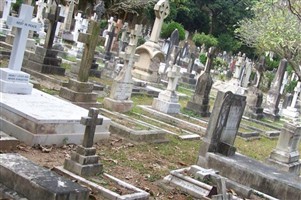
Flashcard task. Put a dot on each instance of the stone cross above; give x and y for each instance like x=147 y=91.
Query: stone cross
x=23 y=24
x=162 y=11
x=68 y=20
x=194 y=55
x=90 y=39
x=78 y=21
x=7 y=8
x=174 y=41
x=110 y=24
x=110 y=35
x=297 y=91
x=203 y=49
x=173 y=75
x=210 y=56
x=54 y=17
x=90 y=122
x=123 y=40
x=99 y=10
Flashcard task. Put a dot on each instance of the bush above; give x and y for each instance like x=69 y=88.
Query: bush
x=168 y=28
x=203 y=58
x=201 y=38
x=289 y=88
x=271 y=64
x=227 y=42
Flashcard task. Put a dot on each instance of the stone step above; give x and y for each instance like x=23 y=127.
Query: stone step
x=35 y=182
x=7 y=143
x=6 y=193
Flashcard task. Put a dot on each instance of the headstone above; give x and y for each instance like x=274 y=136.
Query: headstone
x=80 y=91
x=200 y=100
x=7 y=8
x=168 y=100
x=110 y=38
x=273 y=98
x=84 y=161
x=174 y=41
x=39 y=18
x=118 y=27
x=284 y=82
x=223 y=125
x=246 y=74
x=124 y=40
x=120 y=96
x=291 y=111
x=12 y=79
x=254 y=94
x=286 y=154
x=150 y=52
x=203 y=49
x=110 y=26
x=68 y=21
x=99 y=10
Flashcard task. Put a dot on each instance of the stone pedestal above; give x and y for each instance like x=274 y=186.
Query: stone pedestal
x=188 y=78
x=286 y=155
x=254 y=101
x=291 y=112
x=167 y=102
x=84 y=162
x=44 y=61
x=14 y=82
x=80 y=93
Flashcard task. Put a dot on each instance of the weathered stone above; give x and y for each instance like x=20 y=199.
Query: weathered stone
x=24 y=177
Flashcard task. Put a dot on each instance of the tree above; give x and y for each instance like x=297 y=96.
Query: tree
x=294 y=6
x=273 y=28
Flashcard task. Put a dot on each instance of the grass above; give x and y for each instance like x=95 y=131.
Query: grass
x=49 y=91
x=185 y=91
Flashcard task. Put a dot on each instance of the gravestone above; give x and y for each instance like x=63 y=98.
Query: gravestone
x=150 y=52
x=111 y=23
x=284 y=82
x=84 y=161
x=200 y=100
x=121 y=90
x=124 y=40
x=80 y=91
x=45 y=59
x=39 y=18
x=6 y=11
x=110 y=37
x=35 y=182
x=189 y=77
x=246 y=74
x=67 y=35
x=168 y=100
x=223 y=125
x=12 y=79
x=254 y=94
x=291 y=111
x=273 y=98
x=118 y=27
x=286 y=154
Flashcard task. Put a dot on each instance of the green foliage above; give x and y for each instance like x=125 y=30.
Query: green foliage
x=168 y=28
x=16 y=6
x=202 y=38
x=228 y=43
x=203 y=58
x=218 y=63
x=103 y=24
x=289 y=88
x=271 y=64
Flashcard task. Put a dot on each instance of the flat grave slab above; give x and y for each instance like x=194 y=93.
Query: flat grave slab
x=40 y=118
x=35 y=182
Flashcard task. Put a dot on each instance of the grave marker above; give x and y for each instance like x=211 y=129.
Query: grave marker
x=12 y=79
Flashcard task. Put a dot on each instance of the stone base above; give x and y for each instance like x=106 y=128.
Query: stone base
x=14 y=82
x=118 y=106
x=43 y=119
x=293 y=167
x=203 y=110
x=254 y=174
x=271 y=116
x=7 y=143
x=144 y=76
x=255 y=113
x=84 y=162
x=67 y=35
x=74 y=96
x=35 y=182
x=166 y=107
x=290 y=112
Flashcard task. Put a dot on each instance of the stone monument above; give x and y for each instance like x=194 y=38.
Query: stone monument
x=84 y=161
x=150 y=53
x=273 y=98
x=67 y=35
x=80 y=91
x=291 y=111
x=223 y=125
x=200 y=100
x=12 y=80
x=167 y=101
x=6 y=11
x=121 y=91
x=286 y=154
x=254 y=94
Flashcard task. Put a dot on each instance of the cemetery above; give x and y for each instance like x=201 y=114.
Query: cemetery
x=150 y=100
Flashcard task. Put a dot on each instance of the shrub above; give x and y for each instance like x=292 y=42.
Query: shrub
x=168 y=28
x=202 y=38
x=227 y=42
x=289 y=88
x=203 y=58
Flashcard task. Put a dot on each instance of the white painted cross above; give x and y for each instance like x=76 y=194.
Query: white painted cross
x=23 y=24
x=7 y=8
x=162 y=11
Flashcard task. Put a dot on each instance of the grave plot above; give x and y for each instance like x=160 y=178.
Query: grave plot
x=207 y=184
x=134 y=130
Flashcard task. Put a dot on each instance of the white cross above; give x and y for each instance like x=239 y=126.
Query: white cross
x=41 y=5
x=23 y=24
x=162 y=11
x=7 y=8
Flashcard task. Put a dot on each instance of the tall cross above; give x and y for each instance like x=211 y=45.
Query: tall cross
x=129 y=55
x=53 y=17
x=7 y=8
x=69 y=18
x=162 y=11
x=110 y=35
x=209 y=61
x=23 y=24
x=90 y=39
x=90 y=122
